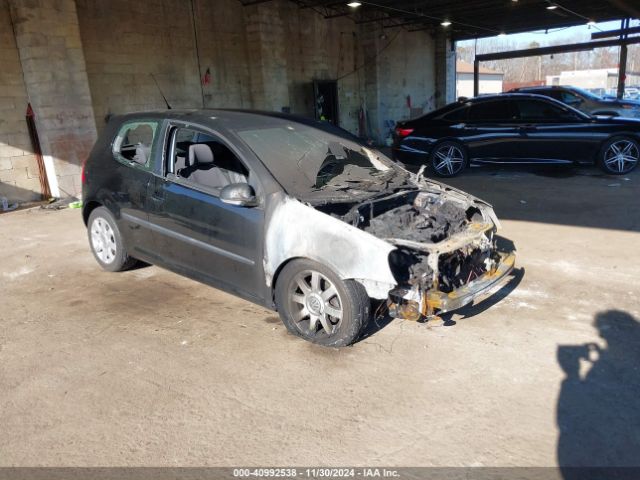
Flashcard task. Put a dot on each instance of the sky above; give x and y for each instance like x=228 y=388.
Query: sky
x=554 y=36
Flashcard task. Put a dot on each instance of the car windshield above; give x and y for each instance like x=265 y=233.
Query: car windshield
x=312 y=161
x=586 y=93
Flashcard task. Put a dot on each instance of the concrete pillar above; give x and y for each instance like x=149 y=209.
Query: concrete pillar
x=445 y=70
x=54 y=69
x=370 y=44
x=19 y=174
x=266 y=45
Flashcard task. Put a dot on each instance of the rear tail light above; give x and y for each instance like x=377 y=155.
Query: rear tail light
x=403 y=132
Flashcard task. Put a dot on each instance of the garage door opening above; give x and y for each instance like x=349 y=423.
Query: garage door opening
x=325 y=93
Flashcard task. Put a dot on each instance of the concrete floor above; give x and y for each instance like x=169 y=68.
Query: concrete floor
x=148 y=368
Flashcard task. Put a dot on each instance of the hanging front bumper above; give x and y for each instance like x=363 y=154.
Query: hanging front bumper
x=410 y=304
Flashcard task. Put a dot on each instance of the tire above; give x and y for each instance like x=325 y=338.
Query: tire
x=295 y=304
x=448 y=159
x=619 y=155
x=106 y=242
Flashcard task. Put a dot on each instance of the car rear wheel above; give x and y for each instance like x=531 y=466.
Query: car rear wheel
x=619 y=155
x=315 y=304
x=448 y=159
x=106 y=242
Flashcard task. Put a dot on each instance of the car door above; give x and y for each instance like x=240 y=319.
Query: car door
x=554 y=133
x=134 y=150
x=490 y=132
x=195 y=232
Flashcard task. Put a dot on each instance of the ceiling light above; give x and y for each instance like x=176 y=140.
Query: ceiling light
x=502 y=34
x=591 y=23
x=445 y=23
x=354 y=4
x=552 y=7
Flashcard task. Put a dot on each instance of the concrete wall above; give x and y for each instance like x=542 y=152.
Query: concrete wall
x=317 y=49
x=129 y=43
x=222 y=43
x=84 y=60
x=19 y=180
x=406 y=89
x=48 y=39
x=264 y=56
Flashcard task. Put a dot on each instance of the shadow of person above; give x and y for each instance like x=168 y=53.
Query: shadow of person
x=598 y=410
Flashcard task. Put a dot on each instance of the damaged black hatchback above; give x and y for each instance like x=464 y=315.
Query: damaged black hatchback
x=292 y=214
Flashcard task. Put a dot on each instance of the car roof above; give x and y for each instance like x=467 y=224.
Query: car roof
x=542 y=87
x=231 y=119
x=514 y=95
x=501 y=96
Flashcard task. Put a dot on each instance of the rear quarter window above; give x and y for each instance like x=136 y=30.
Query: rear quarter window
x=134 y=143
x=491 y=111
x=458 y=115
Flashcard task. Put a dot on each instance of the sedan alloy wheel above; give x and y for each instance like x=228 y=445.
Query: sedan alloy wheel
x=621 y=156
x=315 y=303
x=448 y=159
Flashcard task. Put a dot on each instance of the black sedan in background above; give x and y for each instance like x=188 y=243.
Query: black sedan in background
x=586 y=101
x=516 y=128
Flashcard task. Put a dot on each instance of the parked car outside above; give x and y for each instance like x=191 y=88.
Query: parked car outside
x=516 y=128
x=292 y=214
x=586 y=102
x=632 y=93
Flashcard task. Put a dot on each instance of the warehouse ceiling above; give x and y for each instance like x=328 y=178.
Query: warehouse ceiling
x=474 y=18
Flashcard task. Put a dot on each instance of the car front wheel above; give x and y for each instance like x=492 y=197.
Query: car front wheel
x=619 y=155
x=106 y=242
x=315 y=304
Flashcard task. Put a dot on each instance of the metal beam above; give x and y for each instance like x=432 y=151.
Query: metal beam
x=339 y=14
x=328 y=3
x=576 y=47
x=622 y=65
x=477 y=18
x=254 y=2
x=615 y=33
x=476 y=77
x=371 y=20
x=403 y=24
x=622 y=72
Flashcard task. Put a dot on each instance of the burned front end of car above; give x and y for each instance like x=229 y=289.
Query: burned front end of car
x=422 y=246
x=446 y=254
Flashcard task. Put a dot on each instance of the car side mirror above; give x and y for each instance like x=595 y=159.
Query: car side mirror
x=240 y=194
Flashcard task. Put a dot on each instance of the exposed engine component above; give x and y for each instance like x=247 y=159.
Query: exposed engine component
x=410 y=267
x=463 y=266
x=443 y=243
x=420 y=225
x=428 y=219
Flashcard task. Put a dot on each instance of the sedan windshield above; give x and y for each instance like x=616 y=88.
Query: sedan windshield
x=309 y=161
x=586 y=93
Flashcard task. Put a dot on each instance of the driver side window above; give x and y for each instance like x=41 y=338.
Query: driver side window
x=570 y=99
x=204 y=161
